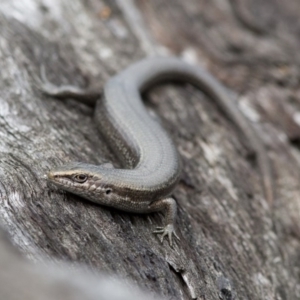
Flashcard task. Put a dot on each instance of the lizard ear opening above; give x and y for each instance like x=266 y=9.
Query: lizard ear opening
x=80 y=178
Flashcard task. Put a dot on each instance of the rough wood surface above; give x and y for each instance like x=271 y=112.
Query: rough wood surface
x=233 y=245
x=21 y=279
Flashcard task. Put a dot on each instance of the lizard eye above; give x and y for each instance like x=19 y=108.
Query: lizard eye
x=108 y=191
x=80 y=178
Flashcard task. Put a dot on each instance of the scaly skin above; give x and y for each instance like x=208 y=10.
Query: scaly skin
x=150 y=160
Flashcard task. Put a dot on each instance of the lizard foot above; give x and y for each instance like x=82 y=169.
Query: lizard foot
x=166 y=231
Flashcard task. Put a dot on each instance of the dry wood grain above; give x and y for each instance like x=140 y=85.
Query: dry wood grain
x=233 y=245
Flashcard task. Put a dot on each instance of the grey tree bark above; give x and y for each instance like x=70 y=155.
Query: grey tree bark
x=233 y=245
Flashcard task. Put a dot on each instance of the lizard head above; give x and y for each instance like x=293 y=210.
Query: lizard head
x=88 y=181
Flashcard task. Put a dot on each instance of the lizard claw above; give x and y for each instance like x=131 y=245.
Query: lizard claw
x=166 y=231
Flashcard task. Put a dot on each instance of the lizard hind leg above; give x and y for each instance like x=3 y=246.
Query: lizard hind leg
x=169 y=206
x=87 y=96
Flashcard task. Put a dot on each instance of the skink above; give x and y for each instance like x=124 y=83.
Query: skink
x=150 y=161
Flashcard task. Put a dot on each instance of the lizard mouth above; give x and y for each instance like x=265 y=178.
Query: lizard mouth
x=65 y=182
x=57 y=179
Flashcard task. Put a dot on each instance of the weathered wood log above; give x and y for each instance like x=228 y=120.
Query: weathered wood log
x=232 y=244
x=21 y=279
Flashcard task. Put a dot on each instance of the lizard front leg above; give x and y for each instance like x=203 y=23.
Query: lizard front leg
x=169 y=207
